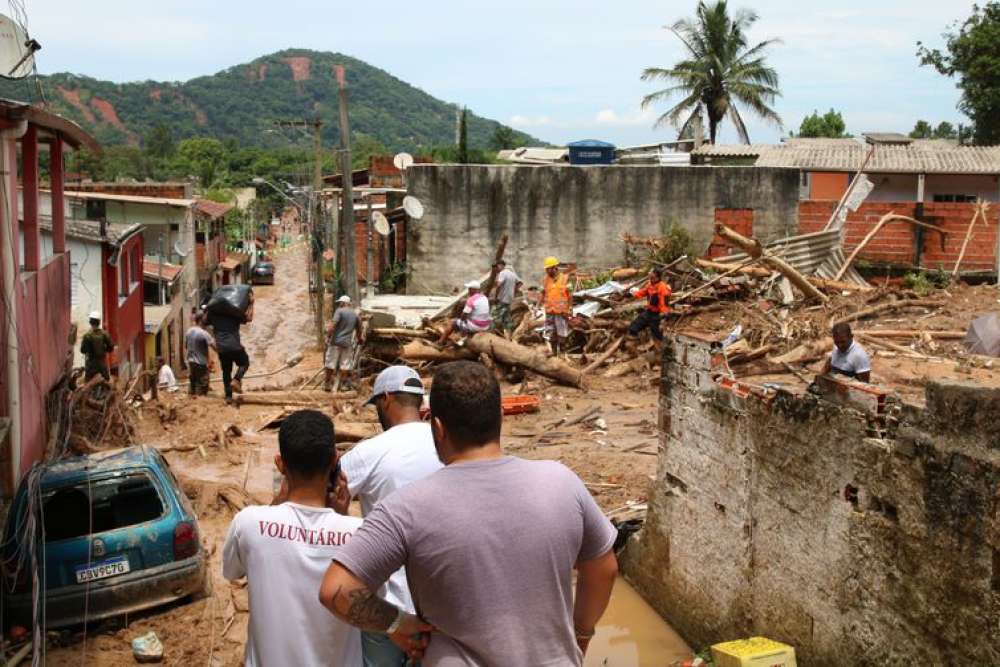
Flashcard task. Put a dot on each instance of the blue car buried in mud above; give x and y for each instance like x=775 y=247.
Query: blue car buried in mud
x=117 y=535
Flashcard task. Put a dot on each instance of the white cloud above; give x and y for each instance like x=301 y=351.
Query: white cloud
x=614 y=119
x=518 y=120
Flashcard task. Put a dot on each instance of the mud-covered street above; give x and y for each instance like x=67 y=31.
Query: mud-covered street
x=614 y=453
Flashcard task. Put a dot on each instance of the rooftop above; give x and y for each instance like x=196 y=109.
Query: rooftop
x=135 y=199
x=90 y=230
x=154 y=270
x=212 y=209
x=926 y=156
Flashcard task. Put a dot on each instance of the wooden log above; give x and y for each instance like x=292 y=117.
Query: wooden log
x=894 y=305
x=416 y=350
x=910 y=333
x=753 y=248
x=884 y=220
x=735 y=269
x=497 y=256
x=877 y=342
x=604 y=356
x=509 y=352
x=981 y=208
x=392 y=332
x=755 y=271
x=805 y=353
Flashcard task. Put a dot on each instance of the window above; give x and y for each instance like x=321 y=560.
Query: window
x=123 y=275
x=96 y=209
x=136 y=270
x=115 y=503
x=955 y=199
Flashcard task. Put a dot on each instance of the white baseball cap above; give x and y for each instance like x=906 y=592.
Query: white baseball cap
x=95 y=315
x=397 y=380
x=344 y=299
x=473 y=284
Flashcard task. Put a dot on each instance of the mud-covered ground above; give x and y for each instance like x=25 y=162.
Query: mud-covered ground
x=614 y=452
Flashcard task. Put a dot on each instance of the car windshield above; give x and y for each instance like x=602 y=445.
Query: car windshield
x=114 y=503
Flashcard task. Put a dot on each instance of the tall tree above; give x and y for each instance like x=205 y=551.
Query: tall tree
x=922 y=130
x=720 y=71
x=463 y=138
x=945 y=130
x=503 y=138
x=159 y=142
x=830 y=125
x=972 y=54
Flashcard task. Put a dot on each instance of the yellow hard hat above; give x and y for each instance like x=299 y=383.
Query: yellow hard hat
x=550 y=262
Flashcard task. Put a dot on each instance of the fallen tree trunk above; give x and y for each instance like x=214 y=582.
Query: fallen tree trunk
x=757 y=272
x=881 y=308
x=389 y=332
x=886 y=219
x=753 y=248
x=803 y=354
x=981 y=209
x=604 y=356
x=509 y=352
x=415 y=350
x=910 y=333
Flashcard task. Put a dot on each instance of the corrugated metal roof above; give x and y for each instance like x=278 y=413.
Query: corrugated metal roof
x=731 y=150
x=819 y=254
x=538 y=155
x=153 y=270
x=887 y=138
x=212 y=209
x=90 y=230
x=912 y=159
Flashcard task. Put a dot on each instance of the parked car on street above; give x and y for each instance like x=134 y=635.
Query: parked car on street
x=119 y=536
x=262 y=274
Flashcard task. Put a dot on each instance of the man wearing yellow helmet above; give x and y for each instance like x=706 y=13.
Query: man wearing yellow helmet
x=558 y=304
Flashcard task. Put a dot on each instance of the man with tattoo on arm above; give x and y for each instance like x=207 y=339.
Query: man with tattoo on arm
x=489 y=543
x=283 y=551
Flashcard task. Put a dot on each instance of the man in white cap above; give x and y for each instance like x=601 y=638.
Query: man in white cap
x=340 y=343
x=375 y=468
x=95 y=347
x=475 y=316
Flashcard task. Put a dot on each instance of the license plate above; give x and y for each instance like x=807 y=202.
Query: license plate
x=108 y=568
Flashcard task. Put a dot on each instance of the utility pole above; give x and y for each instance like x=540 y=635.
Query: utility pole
x=370 y=273
x=319 y=237
x=350 y=271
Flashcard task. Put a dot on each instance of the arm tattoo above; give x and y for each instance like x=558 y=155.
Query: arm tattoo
x=363 y=609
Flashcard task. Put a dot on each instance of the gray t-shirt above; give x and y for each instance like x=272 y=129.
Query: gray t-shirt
x=507 y=282
x=852 y=362
x=489 y=548
x=197 y=341
x=345 y=320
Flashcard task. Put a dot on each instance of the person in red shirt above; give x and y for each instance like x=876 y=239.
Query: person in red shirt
x=657 y=295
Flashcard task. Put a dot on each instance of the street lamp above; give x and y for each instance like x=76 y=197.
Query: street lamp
x=257 y=180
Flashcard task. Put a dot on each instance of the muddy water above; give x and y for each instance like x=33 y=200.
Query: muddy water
x=631 y=634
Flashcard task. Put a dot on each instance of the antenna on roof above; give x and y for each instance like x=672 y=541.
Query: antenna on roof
x=380 y=223
x=17 y=50
x=413 y=207
x=403 y=161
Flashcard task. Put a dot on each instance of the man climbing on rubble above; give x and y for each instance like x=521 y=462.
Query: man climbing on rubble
x=95 y=347
x=475 y=316
x=378 y=467
x=504 y=291
x=284 y=549
x=657 y=293
x=230 y=348
x=489 y=542
x=848 y=357
x=197 y=341
x=558 y=303
x=340 y=344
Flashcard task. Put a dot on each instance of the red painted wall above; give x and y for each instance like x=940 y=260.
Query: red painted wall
x=123 y=319
x=894 y=243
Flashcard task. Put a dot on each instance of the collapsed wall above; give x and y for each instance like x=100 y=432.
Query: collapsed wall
x=579 y=213
x=858 y=529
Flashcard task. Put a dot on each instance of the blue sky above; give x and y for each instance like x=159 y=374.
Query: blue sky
x=559 y=69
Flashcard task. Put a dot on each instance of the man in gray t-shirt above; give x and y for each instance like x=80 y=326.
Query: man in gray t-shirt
x=197 y=341
x=506 y=286
x=489 y=544
x=340 y=343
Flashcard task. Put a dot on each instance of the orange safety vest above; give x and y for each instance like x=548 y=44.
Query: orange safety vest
x=557 y=298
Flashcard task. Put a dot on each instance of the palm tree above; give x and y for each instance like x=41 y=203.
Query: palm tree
x=720 y=70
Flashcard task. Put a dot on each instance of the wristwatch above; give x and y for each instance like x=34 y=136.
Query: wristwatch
x=395 y=623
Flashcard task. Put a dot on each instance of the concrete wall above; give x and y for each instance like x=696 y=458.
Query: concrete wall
x=576 y=213
x=858 y=535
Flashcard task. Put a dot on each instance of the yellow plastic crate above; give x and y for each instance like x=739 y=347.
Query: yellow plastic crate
x=753 y=652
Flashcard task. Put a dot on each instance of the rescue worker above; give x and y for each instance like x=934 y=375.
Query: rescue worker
x=848 y=358
x=558 y=304
x=95 y=347
x=657 y=295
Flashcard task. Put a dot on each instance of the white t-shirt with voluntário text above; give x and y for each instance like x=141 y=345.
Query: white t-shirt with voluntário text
x=284 y=551
x=379 y=466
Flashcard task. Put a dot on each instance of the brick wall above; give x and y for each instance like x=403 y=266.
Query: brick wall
x=740 y=220
x=895 y=242
x=168 y=190
x=816 y=521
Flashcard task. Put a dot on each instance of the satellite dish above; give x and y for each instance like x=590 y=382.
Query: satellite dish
x=403 y=161
x=413 y=207
x=17 y=50
x=380 y=223
x=180 y=251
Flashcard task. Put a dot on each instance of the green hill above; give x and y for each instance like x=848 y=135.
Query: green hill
x=241 y=103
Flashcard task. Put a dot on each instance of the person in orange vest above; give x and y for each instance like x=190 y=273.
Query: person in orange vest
x=558 y=304
x=657 y=295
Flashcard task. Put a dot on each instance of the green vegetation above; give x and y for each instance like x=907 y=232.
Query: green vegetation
x=720 y=71
x=463 y=137
x=972 y=55
x=925 y=282
x=830 y=125
x=241 y=103
x=393 y=278
x=944 y=130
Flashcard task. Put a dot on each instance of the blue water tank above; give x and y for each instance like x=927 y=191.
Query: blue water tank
x=591 y=151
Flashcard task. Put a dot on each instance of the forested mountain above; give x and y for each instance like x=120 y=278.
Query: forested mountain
x=241 y=103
